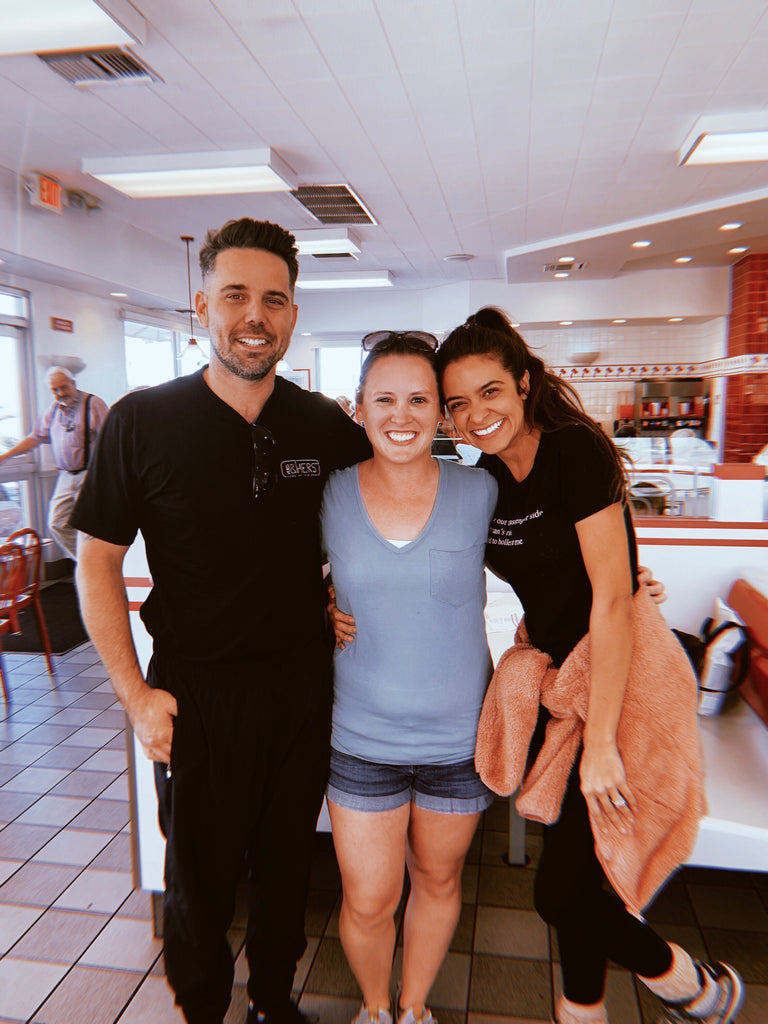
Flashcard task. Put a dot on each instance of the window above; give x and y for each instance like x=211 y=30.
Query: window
x=155 y=354
x=340 y=370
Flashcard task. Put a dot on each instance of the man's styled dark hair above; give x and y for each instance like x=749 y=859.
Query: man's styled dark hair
x=247 y=233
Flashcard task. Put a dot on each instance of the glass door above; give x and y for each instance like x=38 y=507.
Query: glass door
x=15 y=473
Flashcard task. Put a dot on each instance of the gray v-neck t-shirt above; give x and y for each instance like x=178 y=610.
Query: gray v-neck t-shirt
x=410 y=688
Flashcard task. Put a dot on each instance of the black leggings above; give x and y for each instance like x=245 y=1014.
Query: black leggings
x=593 y=926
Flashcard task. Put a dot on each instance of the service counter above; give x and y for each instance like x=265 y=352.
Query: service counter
x=698 y=560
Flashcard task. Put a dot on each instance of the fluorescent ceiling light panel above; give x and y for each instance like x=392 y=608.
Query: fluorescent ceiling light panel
x=318 y=241
x=44 y=26
x=727 y=148
x=222 y=172
x=359 y=279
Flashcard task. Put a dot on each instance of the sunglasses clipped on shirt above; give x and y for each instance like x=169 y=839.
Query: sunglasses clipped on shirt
x=382 y=340
x=264 y=465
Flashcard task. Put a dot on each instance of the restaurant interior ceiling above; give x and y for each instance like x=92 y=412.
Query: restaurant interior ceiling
x=515 y=132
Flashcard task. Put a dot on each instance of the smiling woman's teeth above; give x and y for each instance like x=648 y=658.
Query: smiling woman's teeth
x=401 y=436
x=488 y=430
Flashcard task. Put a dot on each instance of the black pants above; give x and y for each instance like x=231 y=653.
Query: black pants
x=593 y=926
x=249 y=765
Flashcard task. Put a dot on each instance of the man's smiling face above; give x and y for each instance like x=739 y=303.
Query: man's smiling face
x=247 y=306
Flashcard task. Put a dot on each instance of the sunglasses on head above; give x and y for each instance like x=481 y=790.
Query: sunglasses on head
x=387 y=339
x=264 y=465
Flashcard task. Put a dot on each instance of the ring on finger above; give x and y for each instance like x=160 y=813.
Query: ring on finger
x=619 y=801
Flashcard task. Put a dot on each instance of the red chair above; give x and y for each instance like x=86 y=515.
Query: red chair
x=28 y=595
x=11 y=574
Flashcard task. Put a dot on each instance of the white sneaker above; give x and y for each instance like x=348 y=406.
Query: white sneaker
x=729 y=1003
x=409 y=1017
x=365 y=1017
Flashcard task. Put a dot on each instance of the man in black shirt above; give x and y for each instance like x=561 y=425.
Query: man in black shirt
x=222 y=472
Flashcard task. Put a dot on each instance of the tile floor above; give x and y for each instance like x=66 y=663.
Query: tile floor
x=76 y=939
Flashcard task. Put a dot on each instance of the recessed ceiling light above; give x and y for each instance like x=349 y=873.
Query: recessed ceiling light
x=119 y=295
x=566 y=259
x=684 y=259
x=566 y=323
x=514 y=325
x=306 y=334
x=620 y=321
x=562 y=273
x=732 y=225
x=459 y=257
x=739 y=248
x=642 y=243
x=676 y=319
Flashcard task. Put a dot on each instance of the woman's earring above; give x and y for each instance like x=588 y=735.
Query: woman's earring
x=362 y=424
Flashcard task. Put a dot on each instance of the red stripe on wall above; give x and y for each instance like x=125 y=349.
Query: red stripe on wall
x=703 y=542
x=137 y=581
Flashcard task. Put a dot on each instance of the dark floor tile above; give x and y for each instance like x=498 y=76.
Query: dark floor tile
x=59 y=936
x=689 y=937
x=23 y=753
x=320 y=903
x=50 y=734
x=12 y=731
x=755 y=1010
x=103 y=816
x=671 y=906
x=9 y=772
x=104 y=992
x=30 y=713
x=496 y=818
x=82 y=783
x=99 y=701
x=64 y=757
x=38 y=885
x=138 y=905
x=330 y=974
x=715 y=876
x=506 y=887
x=746 y=951
x=510 y=987
x=725 y=906
x=109 y=720
x=14 y=804
x=20 y=842
x=325 y=870
x=116 y=856
x=465 y=930
x=473 y=853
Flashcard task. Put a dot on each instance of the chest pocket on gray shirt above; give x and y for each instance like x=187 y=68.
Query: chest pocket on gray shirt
x=454 y=576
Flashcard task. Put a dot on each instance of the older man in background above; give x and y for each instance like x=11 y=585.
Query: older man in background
x=70 y=425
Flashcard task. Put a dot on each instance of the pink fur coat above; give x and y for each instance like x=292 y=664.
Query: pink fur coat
x=657 y=738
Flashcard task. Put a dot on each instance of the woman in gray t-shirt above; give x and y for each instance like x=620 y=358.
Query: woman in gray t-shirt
x=405 y=535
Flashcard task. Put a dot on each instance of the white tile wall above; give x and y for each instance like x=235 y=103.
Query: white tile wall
x=621 y=344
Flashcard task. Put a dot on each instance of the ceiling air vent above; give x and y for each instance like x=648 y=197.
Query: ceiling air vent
x=99 y=67
x=560 y=268
x=333 y=204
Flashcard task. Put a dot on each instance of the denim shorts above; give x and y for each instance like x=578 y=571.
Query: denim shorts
x=367 y=786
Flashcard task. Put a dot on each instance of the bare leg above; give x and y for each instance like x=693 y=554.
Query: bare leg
x=370 y=849
x=437 y=846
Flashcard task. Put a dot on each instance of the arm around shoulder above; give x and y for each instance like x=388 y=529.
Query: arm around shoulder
x=104 y=605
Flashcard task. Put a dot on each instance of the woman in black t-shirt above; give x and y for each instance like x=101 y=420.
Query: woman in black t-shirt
x=562 y=536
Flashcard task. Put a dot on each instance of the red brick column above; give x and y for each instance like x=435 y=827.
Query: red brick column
x=746 y=396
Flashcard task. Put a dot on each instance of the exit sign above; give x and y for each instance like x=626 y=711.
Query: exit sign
x=45 y=192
